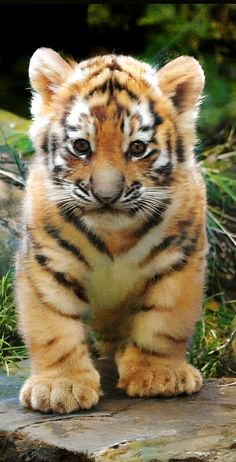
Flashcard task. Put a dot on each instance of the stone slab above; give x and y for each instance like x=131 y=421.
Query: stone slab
x=194 y=428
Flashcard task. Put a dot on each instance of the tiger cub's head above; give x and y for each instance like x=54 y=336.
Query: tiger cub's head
x=114 y=131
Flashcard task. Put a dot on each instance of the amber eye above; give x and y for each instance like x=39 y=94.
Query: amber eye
x=82 y=147
x=137 y=148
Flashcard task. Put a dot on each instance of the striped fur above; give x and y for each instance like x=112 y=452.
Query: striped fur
x=114 y=230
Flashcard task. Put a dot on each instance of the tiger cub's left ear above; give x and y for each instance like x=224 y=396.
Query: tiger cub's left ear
x=182 y=80
x=47 y=71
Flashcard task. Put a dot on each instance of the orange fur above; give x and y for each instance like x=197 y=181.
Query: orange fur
x=115 y=231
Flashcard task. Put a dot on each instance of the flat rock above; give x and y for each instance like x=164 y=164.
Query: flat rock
x=201 y=427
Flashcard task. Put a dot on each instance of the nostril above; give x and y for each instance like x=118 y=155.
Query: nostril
x=115 y=197
x=106 y=199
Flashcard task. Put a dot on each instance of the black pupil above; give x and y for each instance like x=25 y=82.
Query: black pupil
x=137 y=147
x=81 y=145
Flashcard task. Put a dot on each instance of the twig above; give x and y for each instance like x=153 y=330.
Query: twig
x=6 y=224
x=226 y=155
x=12 y=177
x=226 y=385
x=222 y=347
x=3 y=135
x=222 y=227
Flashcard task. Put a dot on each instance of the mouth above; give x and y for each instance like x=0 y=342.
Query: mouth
x=109 y=209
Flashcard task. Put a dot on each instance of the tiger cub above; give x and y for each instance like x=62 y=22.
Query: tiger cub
x=113 y=228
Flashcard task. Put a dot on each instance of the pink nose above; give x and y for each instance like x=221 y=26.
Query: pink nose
x=107 y=185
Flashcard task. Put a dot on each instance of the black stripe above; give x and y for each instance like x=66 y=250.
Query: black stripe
x=159 y=276
x=165 y=243
x=188 y=249
x=79 y=290
x=117 y=86
x=154 y=220
x=41 y=259
x=57 y=169
x=147 y=308
x=100 y=89
x=114 y=66
x=165 y=170
x=180 y=150
x=56 y=180
x=189 y=244
x=168 y=143
x=73 y=284
x=60 y=277
x=73 y=128
x=44 y=145
x=157 y=118
x=70 y=102
x=95 y=240
x=119 y=110
x=145 y=128
x=53 y=232
x=53 y=144
x=111 y=86
x=151 y=153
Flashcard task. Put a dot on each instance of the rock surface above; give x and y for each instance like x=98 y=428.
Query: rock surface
x=189 y=428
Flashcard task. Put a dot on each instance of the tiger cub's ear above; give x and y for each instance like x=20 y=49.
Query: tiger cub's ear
x=47 y=71
x=182 y=80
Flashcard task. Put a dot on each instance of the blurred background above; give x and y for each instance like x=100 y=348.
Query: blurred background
x=155 y=33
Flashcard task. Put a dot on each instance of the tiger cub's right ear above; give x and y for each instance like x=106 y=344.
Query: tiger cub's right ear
x=47 y=71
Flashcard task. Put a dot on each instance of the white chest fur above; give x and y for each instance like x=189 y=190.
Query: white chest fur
x=112 y=282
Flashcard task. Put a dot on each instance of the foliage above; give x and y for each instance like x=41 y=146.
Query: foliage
x=205 y=31
x=14 y=134
x=11 y=345
x=15 y=147
x=217 y=165
x=213 y=349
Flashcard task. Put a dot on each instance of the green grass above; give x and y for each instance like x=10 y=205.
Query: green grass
x=214 y=343
x=12 y=348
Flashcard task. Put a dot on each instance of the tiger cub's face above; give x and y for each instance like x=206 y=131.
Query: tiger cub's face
x=112 y=130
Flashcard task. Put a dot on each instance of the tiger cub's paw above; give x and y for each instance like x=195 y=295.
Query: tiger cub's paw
x=161 y=380
x=61 y=394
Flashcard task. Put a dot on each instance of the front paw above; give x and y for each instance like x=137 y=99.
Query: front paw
x=61 y=394
x=160 y=380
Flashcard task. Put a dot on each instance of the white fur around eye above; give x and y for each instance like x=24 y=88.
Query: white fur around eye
x=162 y=160
x=78 y=108
x=143 y=110
x=60 y=162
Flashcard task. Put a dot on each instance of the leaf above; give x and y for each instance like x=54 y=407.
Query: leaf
x=212 y=305
x=21 y=143
x=227 y=184
x=14 y=133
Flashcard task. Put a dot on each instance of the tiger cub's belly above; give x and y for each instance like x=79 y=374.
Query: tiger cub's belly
x=112 y=284
x=114 y=293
